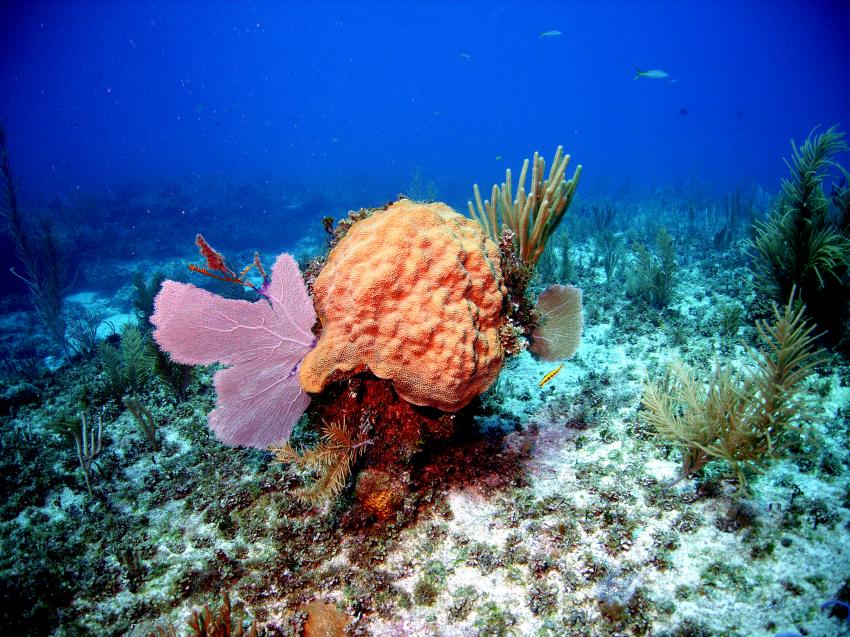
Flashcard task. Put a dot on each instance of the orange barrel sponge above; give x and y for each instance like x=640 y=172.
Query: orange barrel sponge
x=414 y=294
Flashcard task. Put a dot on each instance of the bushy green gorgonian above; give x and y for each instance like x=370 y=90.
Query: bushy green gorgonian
x=653 y=277
x=801 y=244
x=746 y=418
x=128 y=368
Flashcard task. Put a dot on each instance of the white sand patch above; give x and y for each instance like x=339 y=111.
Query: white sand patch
x=86 y=299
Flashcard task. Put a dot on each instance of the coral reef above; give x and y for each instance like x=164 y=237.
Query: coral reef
x=333 y=457
x=538 y=508
x=397 y=431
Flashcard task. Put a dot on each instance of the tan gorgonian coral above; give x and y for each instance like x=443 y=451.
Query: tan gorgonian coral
x=558 y=335
x=532 y=216
x=744 y=419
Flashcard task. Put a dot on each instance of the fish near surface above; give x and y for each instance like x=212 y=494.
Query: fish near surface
x=652 y=74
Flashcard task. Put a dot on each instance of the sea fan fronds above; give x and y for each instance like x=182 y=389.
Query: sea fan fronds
x=558 y=334
x=261 y=344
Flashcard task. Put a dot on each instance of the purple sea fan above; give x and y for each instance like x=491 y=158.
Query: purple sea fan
x=262 y=342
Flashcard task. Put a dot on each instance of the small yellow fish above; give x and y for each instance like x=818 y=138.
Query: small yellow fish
x=551 y=375
x=498 y=158
x=550 y=34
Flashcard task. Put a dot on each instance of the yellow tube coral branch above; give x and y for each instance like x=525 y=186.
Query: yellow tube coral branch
x=532 y=215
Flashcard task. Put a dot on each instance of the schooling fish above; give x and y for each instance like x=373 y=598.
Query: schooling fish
x=653 y=74
x=551 y=375
x=550 y=34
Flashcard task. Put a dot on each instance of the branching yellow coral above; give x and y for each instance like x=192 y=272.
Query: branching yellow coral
x=532 y=216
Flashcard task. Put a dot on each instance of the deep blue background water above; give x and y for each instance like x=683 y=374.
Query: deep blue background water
x=354 y=99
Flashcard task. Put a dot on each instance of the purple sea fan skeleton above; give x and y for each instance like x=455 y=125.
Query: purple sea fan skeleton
x=262 y=344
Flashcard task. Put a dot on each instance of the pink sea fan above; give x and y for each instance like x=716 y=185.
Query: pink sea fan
x=262 y=343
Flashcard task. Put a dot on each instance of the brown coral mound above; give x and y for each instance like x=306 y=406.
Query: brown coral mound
x=324 y=620
x=415 y=295
x=380 y=493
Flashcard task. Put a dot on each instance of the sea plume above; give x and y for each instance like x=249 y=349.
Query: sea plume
x=262 y=344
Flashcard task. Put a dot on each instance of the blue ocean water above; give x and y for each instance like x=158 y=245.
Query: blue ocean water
x=132 y=126
x=362 y=94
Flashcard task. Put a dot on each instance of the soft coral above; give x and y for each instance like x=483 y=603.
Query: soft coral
x=259 y=395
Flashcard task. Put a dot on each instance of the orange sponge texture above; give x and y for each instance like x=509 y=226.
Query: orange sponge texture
x=415 y=294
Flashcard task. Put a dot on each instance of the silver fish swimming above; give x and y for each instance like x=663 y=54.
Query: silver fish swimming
x=550 y=34
x=653 y=74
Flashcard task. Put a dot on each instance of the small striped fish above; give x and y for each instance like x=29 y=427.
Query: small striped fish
x=551 y=375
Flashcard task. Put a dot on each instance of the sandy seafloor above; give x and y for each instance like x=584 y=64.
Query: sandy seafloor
x=586 y=541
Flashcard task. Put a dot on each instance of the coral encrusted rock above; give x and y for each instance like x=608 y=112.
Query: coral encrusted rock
x=415 y=295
